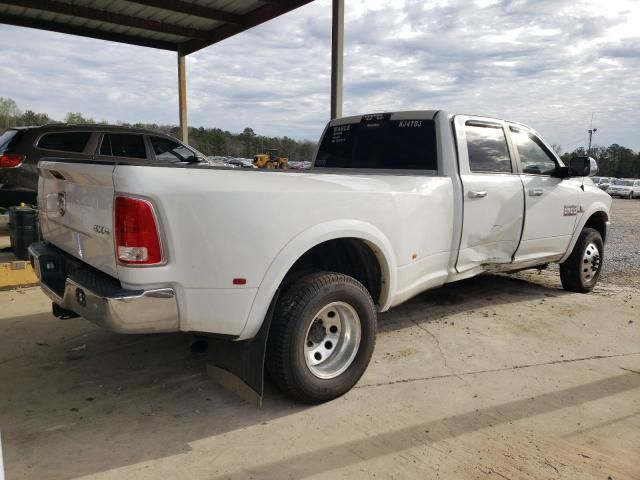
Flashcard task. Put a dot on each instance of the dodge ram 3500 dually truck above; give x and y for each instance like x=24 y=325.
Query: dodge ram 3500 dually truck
x=288 y=269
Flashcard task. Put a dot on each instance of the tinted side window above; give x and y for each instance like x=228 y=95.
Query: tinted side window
x=105 y=146
x=377 y=142
x=65 y=142
x=488 y=150
x=168 y=150
x=6 y=138
x=123 y=145
x=533 y=155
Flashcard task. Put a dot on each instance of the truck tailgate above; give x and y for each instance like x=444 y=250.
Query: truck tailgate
x=76 y=210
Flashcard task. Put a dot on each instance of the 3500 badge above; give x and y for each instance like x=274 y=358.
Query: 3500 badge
x=101 y=230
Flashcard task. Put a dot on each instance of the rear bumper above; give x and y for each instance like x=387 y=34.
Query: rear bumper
x=99 y=297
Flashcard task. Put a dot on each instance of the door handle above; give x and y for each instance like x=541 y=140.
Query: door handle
x=477 y=193
x=536 y=192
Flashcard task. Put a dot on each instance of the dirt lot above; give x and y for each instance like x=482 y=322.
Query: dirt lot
x=623 y=249
x=492 y=378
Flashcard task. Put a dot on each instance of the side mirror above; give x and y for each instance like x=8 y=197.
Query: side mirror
x=583 y=167
x=562 y=172
x=532 y=169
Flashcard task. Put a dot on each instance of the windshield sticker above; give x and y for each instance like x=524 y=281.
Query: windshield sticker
x=337 y=133
x=376 y=117
x=409 y=123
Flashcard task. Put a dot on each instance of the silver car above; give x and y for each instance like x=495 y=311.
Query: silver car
x=625 y=188
x=603 y=183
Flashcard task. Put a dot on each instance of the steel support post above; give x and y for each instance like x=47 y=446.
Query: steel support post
x=337 y=57
x=182 y=97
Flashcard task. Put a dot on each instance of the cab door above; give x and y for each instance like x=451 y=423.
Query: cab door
x=552 y=204
x=493 y=199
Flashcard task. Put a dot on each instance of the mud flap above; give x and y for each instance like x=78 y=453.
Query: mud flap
x=239 y=366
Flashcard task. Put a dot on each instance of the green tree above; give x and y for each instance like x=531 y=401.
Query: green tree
x=557 y=148
x=248 y=139
x=8 y=112
x=613 y=161
x=32 y=118
x=77 y=118
x=623 y=161
x=210 y=141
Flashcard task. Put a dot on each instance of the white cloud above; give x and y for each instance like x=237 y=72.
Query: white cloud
x=548 y=63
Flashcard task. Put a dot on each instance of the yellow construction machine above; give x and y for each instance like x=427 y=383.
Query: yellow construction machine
x=270 y=160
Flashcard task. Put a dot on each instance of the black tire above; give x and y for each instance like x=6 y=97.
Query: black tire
x=295 y=312
x=571 y=270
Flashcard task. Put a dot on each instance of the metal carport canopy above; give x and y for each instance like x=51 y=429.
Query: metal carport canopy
x=183 y=26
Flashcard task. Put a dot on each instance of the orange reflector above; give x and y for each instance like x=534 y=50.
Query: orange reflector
x=239 y=281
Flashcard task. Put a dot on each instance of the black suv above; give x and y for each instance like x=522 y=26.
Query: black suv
x=21 y=148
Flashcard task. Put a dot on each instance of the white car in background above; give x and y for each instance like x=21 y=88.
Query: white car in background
x=625 y=188
x=603 y=183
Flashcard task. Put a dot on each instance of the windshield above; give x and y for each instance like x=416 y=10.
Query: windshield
x=377 y=142
x=623 y=183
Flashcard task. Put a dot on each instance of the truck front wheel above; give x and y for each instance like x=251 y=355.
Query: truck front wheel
x=580 y=272
x=322 y=336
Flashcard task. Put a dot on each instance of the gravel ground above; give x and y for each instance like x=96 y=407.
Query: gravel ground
x=622 y=253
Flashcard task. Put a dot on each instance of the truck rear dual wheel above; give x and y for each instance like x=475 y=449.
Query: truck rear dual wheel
x=580 y=272
x=322 y=336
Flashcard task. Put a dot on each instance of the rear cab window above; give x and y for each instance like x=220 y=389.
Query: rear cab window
x=64 y=141
x=377 y=142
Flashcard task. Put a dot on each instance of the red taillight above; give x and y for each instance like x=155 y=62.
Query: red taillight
x=11 y=160
x=137 y=234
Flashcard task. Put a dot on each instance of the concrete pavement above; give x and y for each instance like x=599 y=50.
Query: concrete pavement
x=491 y=378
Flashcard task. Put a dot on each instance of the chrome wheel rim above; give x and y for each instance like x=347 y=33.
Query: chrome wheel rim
x=591 y=263
x=332 y=340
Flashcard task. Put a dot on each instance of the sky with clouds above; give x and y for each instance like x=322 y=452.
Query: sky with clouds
x=547 y=63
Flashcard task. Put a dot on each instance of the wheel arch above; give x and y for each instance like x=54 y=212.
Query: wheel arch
x=596 y=217
x=598 y=221
x=345 y=230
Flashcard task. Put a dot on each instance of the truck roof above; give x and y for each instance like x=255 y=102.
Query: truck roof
x=412 y=115
x=408 y=115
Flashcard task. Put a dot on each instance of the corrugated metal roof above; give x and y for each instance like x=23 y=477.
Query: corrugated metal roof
x=187 y=25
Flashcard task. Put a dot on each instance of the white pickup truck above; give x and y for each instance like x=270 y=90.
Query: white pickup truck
x=296 y=264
